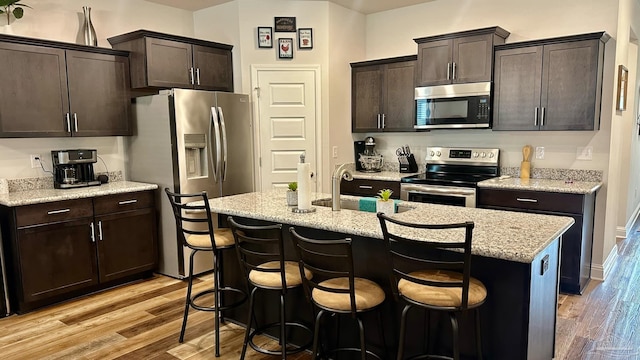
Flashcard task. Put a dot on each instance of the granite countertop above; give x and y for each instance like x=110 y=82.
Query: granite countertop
x=512 y=236
x=29 y=197
x=381 y=175
x=547 y=185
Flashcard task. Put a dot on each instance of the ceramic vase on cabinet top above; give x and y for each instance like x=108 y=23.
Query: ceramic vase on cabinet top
x=90 y=37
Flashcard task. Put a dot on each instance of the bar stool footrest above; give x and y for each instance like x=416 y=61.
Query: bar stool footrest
x=339 y=350
x=236 y=303
x=293 y=350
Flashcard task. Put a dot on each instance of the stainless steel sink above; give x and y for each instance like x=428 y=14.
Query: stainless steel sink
x=351 y=204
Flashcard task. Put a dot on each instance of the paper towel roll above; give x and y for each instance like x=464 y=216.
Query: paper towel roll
x=304 y=186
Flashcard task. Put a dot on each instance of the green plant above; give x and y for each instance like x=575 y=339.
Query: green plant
x=385 y=194
x=12 y=7
x=293 y=186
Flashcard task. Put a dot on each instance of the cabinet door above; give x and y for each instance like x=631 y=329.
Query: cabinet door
x=214 y=68
x=126 y=243
x=472 y=57
x=169 y=64
x=34 y=97
x=99 y=94
x=56 y=258
x=365 y=187
x=569 y=85
x=399 y=103
x=434 y=59
x=366 y=101
x=516 y=101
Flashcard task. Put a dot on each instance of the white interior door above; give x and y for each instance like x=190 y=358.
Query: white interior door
x=287 y=116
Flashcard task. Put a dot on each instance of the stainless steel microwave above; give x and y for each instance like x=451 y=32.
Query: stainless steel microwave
x=456 y=106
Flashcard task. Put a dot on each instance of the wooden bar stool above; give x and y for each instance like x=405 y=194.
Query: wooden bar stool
x=334 y=289
x=198 y=234
x=422 y=278
x=260 y=250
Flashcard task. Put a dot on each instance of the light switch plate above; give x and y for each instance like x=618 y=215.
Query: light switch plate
x=539 y=152
x=584 y=153
x=334 y=151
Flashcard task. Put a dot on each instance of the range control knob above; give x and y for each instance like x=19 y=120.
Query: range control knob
x=491 y=155
x=431 y=154
x=483 y=154
x=475 y=154
x=438 y=153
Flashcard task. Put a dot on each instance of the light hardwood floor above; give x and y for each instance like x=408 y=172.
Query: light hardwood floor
x=142 y=321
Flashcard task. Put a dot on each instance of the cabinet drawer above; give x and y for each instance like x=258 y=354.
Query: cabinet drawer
x=363 y=187
x=533 y=200
x=123 y=202
x=53 y=212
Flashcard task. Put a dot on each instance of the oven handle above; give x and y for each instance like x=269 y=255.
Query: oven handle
x=450 y=191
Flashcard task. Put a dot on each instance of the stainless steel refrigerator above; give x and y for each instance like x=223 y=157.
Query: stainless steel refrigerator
x=190 y=141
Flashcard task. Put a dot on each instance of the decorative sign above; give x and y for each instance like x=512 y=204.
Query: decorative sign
x=285 y=48
x=285 y=23
x=305 y=38
x=265 y=37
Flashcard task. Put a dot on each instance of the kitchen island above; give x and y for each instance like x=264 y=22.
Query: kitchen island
x=516 y=256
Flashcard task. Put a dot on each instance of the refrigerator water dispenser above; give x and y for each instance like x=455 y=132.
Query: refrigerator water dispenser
x=196 y=155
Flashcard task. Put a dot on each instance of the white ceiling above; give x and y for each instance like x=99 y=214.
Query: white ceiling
x=362 y=6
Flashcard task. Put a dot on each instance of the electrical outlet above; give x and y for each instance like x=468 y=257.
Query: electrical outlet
x=539 y=152
x=584 y=153
x=35 y=161
x=335 y=152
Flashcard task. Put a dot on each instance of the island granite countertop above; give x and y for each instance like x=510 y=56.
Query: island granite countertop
x=20 y=198
x=512 y=236
x=546 y=185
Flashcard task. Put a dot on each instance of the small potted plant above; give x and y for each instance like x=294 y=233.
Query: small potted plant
x=384 y=203
x=14 y=7
x=292 y=194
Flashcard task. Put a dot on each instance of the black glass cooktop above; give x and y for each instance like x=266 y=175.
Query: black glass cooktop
x=453 y=175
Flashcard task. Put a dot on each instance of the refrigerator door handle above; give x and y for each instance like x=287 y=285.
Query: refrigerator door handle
x=224 y=144
x=216 y=128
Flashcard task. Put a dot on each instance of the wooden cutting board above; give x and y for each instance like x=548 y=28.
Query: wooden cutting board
x=525 y=166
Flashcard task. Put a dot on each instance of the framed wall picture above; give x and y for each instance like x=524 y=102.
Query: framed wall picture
x=285 y=23
x=623 y=80
x=305 y=38
x=285 y=48
x=265 y=37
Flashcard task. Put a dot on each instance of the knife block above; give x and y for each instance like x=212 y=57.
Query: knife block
x=408 y=164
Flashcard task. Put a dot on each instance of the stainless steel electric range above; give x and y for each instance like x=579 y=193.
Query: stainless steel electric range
x=451 y=176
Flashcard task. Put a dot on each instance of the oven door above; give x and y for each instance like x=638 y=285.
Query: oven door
x=434 y=194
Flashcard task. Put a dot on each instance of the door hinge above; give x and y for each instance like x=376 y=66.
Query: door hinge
x=257 y=89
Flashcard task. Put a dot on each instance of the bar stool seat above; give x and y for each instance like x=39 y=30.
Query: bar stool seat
x=442 y=296
x=368 y=294
x=222 y=238
x=273 y=279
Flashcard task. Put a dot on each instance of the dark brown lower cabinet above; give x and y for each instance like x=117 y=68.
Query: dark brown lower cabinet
x=577 y=242
x=367 y=187
x=59 y=250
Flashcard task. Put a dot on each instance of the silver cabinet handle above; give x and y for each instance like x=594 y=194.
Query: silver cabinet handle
x=453 y=67
x=126 y=202
x=448 y=71
x=54 y=212
x=369 y=187
x=75 y=122
x=100 y=230
x=527 y=200
x=542 y=118
x=93 y=233
x=191 y=76
x=68 y=116
x=378 y=121
x=198 y=75
x=383 y=116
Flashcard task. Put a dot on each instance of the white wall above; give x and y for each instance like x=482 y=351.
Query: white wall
x=60 y=20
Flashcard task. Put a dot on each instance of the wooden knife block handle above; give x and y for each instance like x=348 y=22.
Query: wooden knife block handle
x=525 y=170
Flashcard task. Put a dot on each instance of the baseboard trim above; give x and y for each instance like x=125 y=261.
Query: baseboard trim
x=624 y=232
x=601 y=271
x=621 y=232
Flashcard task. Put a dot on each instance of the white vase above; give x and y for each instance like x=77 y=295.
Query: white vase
x=292 y=198
x=387 y=207
x=6 y=29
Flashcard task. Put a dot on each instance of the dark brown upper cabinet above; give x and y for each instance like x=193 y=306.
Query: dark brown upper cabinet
x=460 y=57
x=162 y=61
x=382 y=95
x=59 y=90
x=551 y=84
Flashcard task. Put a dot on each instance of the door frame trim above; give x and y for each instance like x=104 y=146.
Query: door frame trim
x=316 y=69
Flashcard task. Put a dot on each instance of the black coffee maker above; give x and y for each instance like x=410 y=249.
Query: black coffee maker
x=74 y=168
